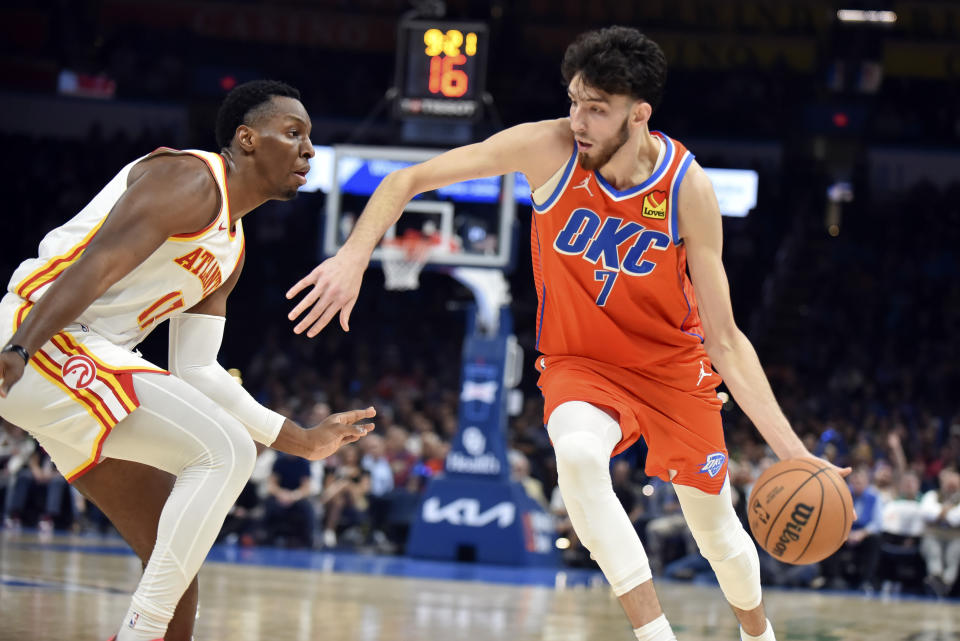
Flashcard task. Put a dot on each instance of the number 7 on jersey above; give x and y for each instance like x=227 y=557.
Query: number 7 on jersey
x=609 y=277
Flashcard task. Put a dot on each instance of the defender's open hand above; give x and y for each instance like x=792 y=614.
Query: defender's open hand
x=337 y=430
x=336 y=285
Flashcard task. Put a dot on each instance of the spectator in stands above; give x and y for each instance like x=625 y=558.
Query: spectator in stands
x=858 y=558
x=626 y=490
x=940 y=546
x=345 y=498
x=401 y=459
x=289 y=515
x=572 y=551
x=60 y=500
x=244 y=524
x=37 y=476
x=520 y=472
x=883 y=481
x=15 y=451
x=668 y=537
x=903 y=515
x=433 y=454
x=376 y=463
x=902 y=527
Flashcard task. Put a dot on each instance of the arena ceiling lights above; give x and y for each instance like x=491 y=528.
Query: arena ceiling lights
x=860 y=15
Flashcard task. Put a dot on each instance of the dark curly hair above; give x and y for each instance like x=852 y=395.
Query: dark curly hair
x=618 y=60
x=238 y=107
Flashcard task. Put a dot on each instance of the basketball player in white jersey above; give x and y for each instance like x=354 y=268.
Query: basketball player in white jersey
x=163 y=454
x=614 y=202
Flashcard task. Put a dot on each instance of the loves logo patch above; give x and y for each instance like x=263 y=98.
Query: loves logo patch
x=655 y=205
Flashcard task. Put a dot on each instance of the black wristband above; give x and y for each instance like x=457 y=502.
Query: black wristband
x=19 y=351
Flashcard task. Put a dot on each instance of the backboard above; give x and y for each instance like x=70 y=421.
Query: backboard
x=475 y=219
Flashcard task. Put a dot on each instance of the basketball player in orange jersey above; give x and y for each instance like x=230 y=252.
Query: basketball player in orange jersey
x=164 y=456
x=625 y=229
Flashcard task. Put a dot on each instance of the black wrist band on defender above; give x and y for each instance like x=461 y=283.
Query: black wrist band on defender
x=19 y=351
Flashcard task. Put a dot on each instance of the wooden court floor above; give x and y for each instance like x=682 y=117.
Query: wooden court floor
x=77 y=590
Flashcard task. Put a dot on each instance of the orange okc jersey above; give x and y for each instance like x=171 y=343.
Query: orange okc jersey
x=617 y=320
x=610 y=268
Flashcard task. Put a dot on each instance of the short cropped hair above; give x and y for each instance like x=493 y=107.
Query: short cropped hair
x=619 y=61
x=241 y=103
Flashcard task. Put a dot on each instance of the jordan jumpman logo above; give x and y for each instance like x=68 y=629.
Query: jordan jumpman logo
x=703 y=374
x=585 y=184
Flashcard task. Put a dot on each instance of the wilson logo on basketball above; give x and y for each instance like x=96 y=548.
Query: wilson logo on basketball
x=79 y=371
x=655 y=205
x=791 y=532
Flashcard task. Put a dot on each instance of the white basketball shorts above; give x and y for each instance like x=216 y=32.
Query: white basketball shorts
x=74 y=390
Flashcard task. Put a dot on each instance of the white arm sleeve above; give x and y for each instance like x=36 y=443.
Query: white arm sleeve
x=194 y=343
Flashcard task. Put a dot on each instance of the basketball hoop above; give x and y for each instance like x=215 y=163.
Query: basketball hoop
x=403 y=259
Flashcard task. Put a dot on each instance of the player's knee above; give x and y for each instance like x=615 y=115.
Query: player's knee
x=712 y=522
x=246 y=453
x=733 y=557
x=724 y=542
x=722 y=539
x=234 y=452
x=581 y=458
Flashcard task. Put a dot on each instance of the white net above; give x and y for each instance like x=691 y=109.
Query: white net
x=402 y=263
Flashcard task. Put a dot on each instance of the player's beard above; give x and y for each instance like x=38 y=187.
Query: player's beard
x=605 y=153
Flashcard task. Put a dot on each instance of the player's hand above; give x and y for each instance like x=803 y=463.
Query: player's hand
x=842 y=471
x=337 y=430
x=335 y=286
x=11 y=369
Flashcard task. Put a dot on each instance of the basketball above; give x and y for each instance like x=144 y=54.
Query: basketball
x=800 y=511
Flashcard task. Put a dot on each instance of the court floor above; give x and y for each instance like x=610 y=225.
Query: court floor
x=78 y=589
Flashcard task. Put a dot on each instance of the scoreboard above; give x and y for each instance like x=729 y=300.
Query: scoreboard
x=441 y=69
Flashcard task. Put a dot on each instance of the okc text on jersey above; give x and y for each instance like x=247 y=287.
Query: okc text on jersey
x=593 y=239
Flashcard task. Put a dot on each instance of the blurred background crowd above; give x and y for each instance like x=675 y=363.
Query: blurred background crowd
x=845 y=275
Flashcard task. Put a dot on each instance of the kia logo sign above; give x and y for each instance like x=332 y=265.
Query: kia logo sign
x=466 y=512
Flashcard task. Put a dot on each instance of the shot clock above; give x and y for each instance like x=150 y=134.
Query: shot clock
x=441 y=69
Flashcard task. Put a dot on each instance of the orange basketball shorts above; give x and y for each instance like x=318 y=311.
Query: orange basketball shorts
x=681 y=425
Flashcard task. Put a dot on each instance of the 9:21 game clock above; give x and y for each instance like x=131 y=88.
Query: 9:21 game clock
x=441 y=69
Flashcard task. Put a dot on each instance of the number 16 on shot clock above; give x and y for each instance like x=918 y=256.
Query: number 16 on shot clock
x=441 y=69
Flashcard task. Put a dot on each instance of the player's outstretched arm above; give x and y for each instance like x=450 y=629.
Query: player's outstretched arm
x=166 y=196
x=335 y=283
x=730 y=351
x=195 y=339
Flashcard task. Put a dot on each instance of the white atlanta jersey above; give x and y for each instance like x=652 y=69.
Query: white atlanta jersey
x=181 y=272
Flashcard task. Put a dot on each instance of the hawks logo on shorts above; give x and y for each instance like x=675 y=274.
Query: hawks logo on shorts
x=79 y=371
x=75 y=365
